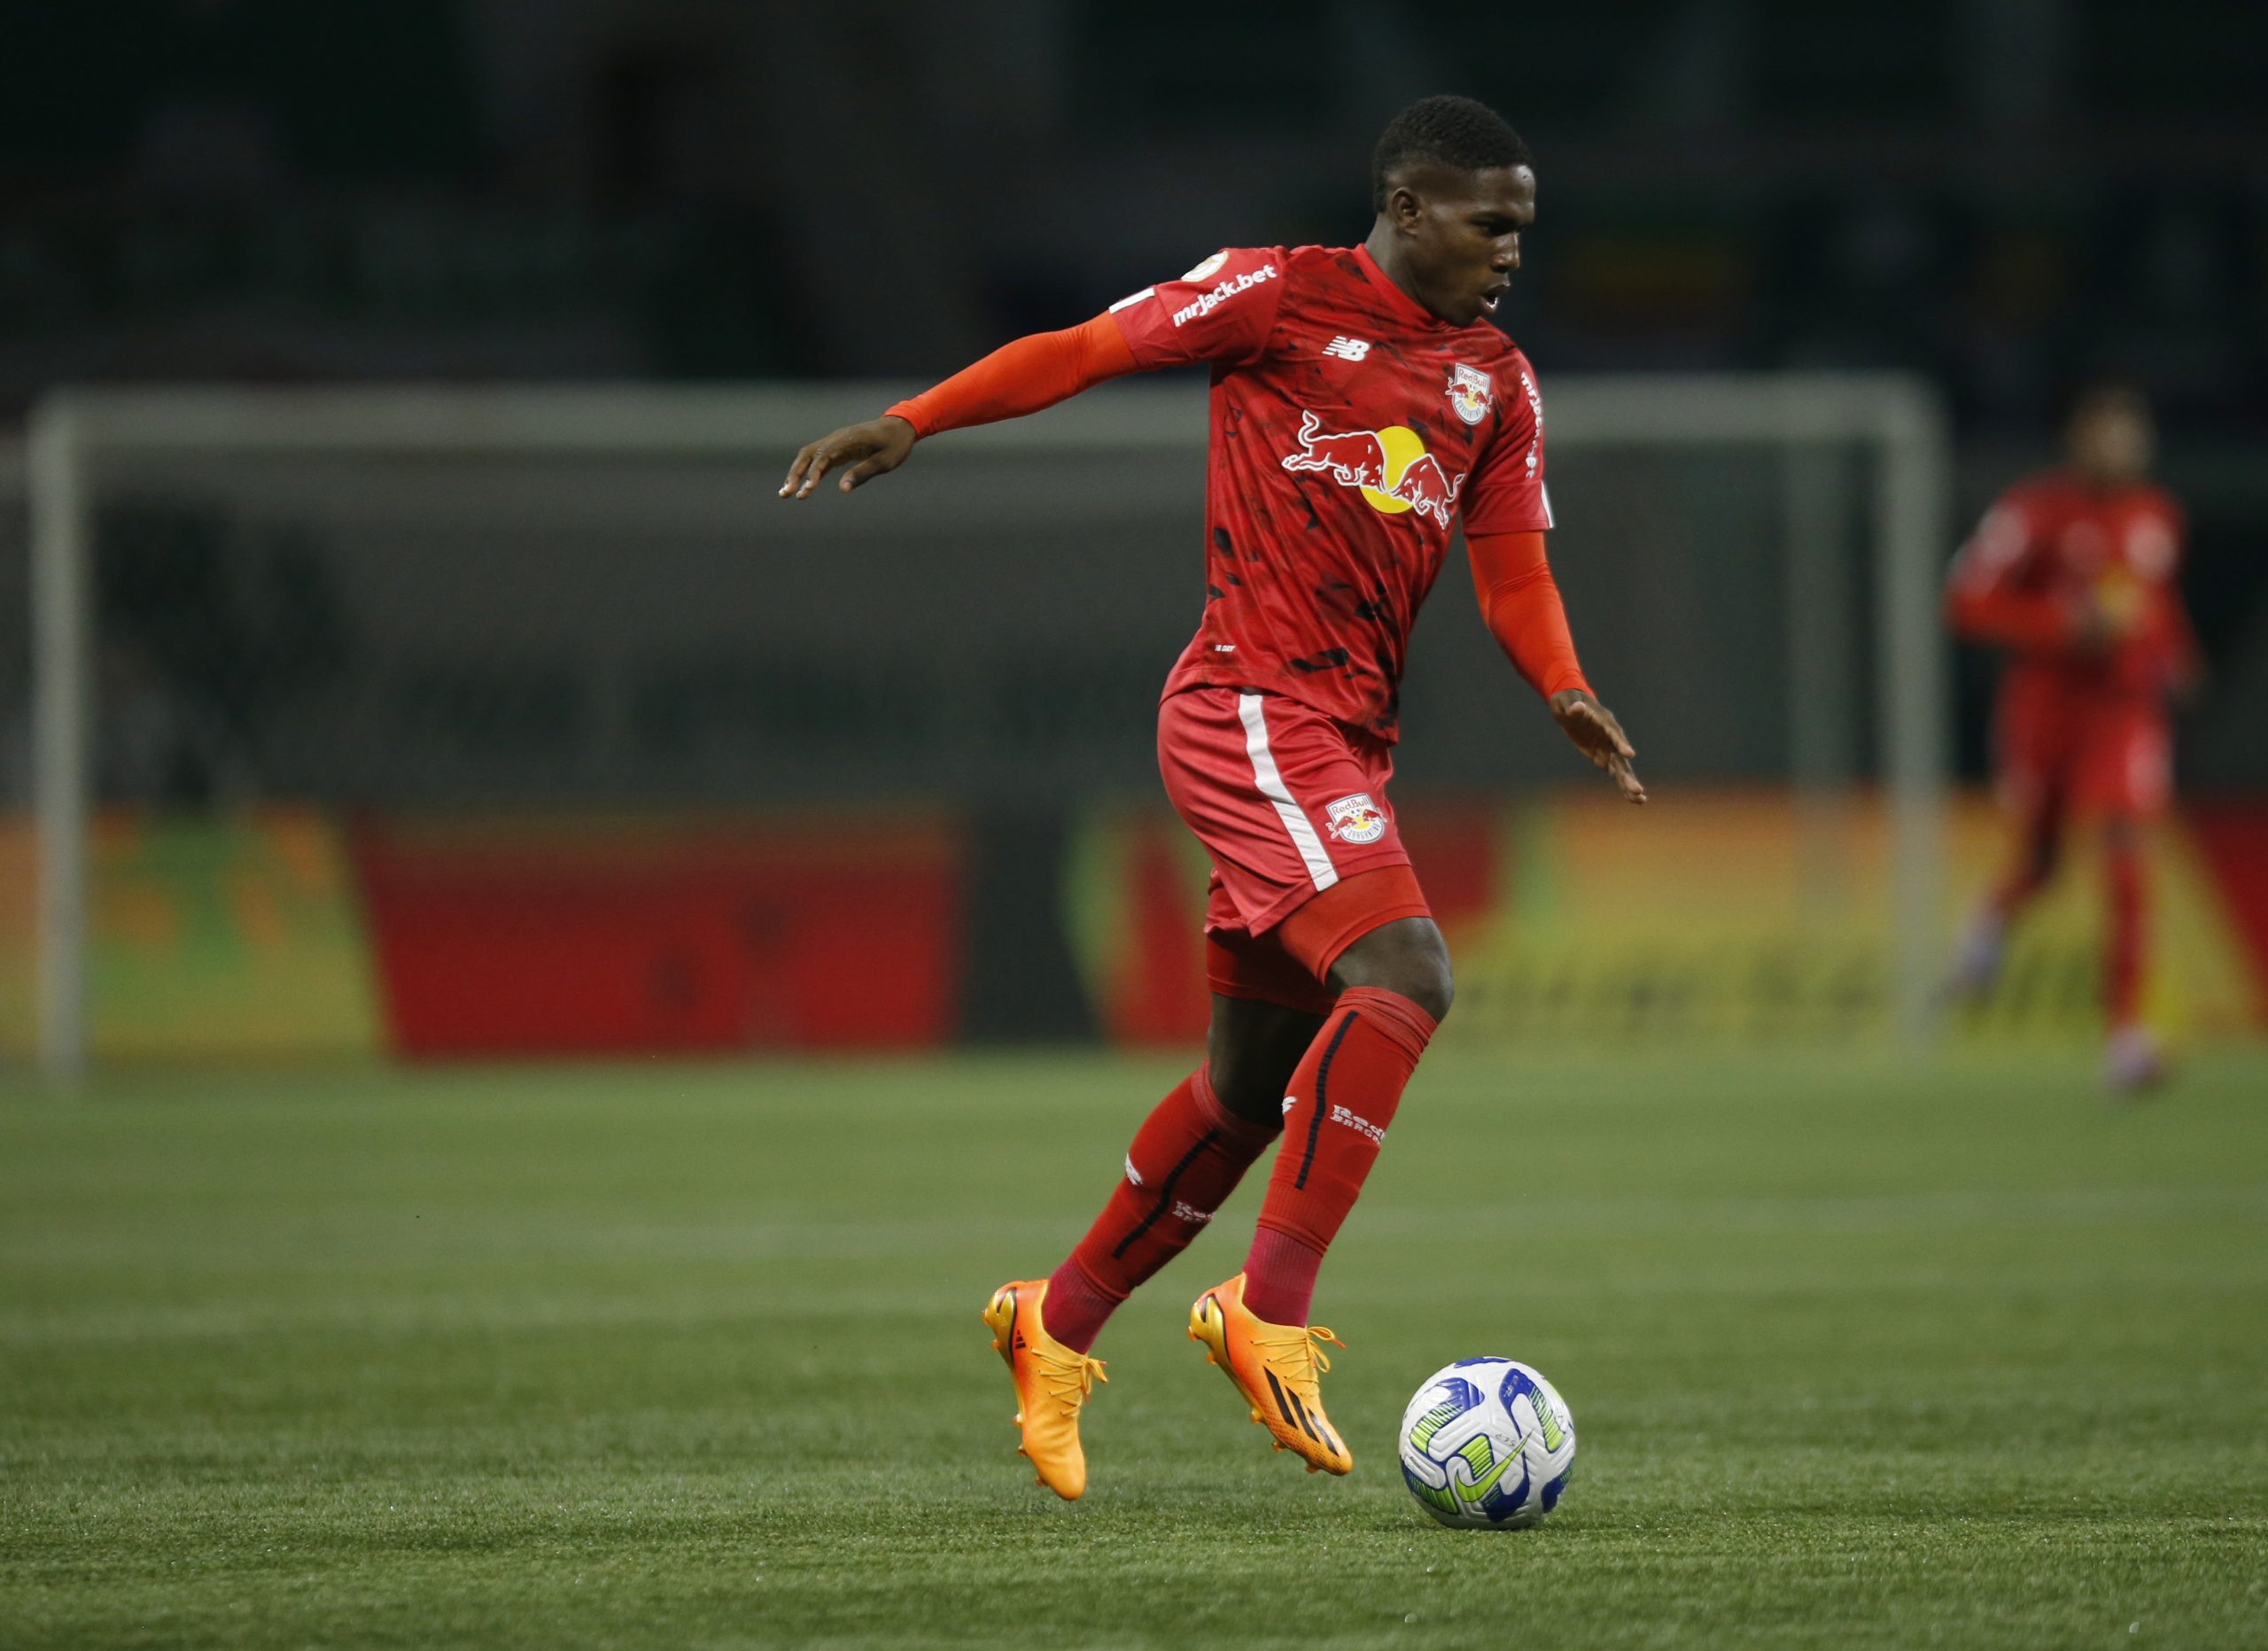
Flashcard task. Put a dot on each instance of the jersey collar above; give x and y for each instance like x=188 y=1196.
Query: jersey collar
x=1409 y=308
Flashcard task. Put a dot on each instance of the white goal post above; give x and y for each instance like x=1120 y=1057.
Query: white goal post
x=74 y=433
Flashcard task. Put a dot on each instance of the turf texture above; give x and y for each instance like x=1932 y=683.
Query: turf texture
x=1860 y=1353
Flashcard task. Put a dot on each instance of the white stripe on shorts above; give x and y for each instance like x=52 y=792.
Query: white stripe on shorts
x=1249 y=707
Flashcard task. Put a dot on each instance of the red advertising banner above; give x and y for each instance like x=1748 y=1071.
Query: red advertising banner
x=584 y=937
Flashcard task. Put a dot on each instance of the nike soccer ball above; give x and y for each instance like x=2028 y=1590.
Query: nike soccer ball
x=1487 y=1443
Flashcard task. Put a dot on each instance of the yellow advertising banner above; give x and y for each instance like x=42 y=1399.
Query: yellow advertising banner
x=1708 y=916
x=1752 y=916
x=227 y=939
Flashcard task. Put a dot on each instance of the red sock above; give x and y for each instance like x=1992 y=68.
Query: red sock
x=1342 y=1097
x=2122 y=960
x=1186 y=1159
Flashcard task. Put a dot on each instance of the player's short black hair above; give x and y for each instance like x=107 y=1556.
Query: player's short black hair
x=1459 y=132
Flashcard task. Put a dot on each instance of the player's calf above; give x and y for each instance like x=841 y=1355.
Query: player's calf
x=1185 y=1160
x=1337 y=1108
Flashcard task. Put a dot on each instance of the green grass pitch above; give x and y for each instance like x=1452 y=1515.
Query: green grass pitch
x=1860 y=1353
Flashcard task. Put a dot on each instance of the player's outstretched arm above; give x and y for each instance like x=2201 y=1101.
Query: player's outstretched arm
x=1520 y=601
x=1017 y=378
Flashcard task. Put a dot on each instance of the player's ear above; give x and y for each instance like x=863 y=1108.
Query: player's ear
x=1403 y=209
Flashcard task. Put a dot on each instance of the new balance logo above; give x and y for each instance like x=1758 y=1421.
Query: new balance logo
x=1187 y=1213
x=1290 y=1101
x=1347 y=349
x=1133 y=1174
x=1360 y=1126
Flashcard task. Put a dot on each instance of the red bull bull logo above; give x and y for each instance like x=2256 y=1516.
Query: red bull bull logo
x=1389 y=466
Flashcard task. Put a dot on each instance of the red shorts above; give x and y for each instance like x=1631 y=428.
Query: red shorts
x=2088 y=755
x=1292 y=807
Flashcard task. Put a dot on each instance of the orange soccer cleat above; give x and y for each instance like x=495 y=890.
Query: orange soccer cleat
x=1277 y=1367
x=1053 y=1383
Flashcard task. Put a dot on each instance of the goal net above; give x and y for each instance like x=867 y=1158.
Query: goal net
x=282 y=642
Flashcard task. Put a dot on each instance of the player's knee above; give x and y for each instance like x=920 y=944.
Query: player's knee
x=1251 y=1087
x=1432 y=990
x=1251 y=1052
x=1409 y=958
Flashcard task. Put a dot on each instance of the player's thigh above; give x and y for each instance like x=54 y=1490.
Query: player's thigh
x=1283 y=804
x=1252 y=1049
x=2127 y=766
x=1407 y=956
x=2035 y=753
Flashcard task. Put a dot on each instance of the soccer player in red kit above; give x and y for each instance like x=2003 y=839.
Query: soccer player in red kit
x=2073 y=573
x=1361 y=405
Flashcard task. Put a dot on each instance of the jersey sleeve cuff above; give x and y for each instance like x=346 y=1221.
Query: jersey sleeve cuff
x=1132 y=338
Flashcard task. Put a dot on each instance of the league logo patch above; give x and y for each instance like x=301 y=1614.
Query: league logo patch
x=1356 y=820
x=1470 y=393
x=1209 y=265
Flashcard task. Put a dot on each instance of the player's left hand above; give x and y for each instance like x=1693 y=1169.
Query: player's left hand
x=1598 y=736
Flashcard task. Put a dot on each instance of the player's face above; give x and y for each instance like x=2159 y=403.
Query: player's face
x=2112 y=437
x=1464 y=230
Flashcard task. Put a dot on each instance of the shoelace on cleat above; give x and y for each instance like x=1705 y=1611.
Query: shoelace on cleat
x=1290 y=1347
x=1070 y=1383
x=1302 y=1341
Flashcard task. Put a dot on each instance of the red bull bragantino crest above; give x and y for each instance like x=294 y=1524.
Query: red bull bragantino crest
x=1390 y=468
x=1470 y=393
x=1356 y=819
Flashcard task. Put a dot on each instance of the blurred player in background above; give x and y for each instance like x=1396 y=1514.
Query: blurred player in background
x=2074 y=574
x=1361 y=404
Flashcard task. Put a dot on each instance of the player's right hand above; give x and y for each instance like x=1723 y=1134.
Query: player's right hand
x=871 y=449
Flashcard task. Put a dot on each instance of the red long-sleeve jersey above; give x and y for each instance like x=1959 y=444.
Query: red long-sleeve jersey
x=1350 y=427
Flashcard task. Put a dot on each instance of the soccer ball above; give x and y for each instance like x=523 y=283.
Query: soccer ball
x=1487 y=1443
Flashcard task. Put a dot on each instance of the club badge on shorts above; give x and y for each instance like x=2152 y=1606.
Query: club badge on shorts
x=1356 y=820
x=1469 y=393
